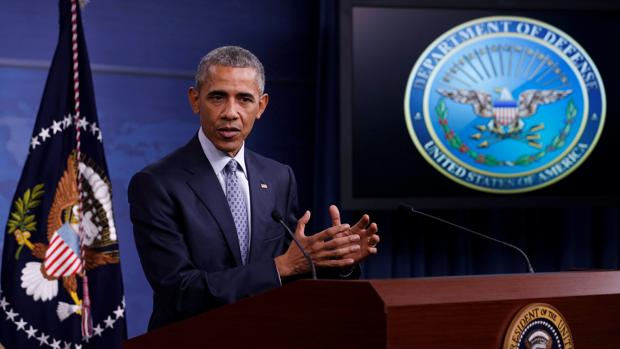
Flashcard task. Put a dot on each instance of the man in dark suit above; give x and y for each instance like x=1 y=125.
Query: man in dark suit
x=202 y=215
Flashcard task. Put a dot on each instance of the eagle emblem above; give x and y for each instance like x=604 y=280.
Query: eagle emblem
x=506 y=113
x=502 y=111
x=61 y=258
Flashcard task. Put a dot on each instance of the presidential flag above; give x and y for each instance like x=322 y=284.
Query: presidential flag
x=61 y=283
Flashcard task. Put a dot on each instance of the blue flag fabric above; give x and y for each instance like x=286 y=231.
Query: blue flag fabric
x=61 y=228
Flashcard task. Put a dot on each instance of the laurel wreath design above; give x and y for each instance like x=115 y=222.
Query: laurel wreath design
x=21 y=223
x=523 y=160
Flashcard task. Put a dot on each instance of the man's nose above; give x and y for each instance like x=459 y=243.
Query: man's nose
x=230 y=110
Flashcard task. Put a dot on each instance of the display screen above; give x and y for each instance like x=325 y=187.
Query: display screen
x=479 y=107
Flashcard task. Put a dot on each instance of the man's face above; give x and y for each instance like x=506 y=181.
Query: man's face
x=229 y=101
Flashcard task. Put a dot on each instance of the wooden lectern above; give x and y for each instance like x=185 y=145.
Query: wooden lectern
x=437 y=312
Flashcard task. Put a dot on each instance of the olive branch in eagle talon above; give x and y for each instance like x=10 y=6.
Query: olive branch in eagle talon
x=21 y=223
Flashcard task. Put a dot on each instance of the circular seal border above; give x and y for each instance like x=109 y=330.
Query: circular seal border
x=424 y=107
x=548 y=314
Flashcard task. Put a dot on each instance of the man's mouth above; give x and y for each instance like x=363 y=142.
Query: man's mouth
x=228 y=132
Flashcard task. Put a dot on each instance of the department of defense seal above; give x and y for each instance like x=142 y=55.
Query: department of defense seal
x=538 y=326
x=505 y=104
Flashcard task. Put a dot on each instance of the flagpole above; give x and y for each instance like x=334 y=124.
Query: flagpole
x=87 y=323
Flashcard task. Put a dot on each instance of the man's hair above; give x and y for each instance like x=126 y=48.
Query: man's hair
x=230 y=56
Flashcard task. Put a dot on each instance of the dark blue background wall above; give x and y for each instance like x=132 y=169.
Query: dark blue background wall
x=143 y=54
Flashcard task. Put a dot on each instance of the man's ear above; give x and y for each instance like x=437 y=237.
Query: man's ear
x=193 y=96
x=262 y=104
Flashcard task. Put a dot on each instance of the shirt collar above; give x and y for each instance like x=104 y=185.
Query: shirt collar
x=218 y=158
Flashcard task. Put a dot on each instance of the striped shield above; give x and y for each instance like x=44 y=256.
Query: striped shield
x=62 y=257
x=505 y=112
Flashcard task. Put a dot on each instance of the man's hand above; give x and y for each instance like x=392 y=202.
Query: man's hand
x=367 y=233
x=324 y=254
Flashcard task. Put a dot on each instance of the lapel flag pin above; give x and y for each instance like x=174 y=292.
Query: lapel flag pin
x=263 y=186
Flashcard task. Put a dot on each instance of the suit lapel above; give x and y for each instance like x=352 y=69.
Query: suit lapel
x=206 y=186
x=261 y=199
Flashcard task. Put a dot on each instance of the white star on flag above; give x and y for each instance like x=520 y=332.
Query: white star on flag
x=34 y=142
x=31 y=332
x=119 y=312
x=43 y=338
x=67 y=121
x=11 y=315
x=56 y=126
x=44 y=134
x=83 y=123
x=94 y=129
x=98 y=329
x=3 y=303
x=109 y=322
x=21 y=324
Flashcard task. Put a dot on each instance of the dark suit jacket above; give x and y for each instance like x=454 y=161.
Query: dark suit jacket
x=186 y=236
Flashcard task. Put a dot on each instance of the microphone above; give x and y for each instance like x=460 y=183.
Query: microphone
x=527 y=260
x=278 y=218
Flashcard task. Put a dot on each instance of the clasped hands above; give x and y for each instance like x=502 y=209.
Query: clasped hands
x=339 y=246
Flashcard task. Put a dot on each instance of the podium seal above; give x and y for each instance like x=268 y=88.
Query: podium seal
x=505 y=104
x=538 y=326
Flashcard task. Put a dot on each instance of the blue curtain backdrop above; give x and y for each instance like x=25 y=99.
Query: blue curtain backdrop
x=326 y=120
x=143 y=54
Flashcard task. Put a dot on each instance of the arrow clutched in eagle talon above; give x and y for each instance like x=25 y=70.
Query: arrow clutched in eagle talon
x=64 y=310
x=537 y=128
x=532 y=137
x=534 y=144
